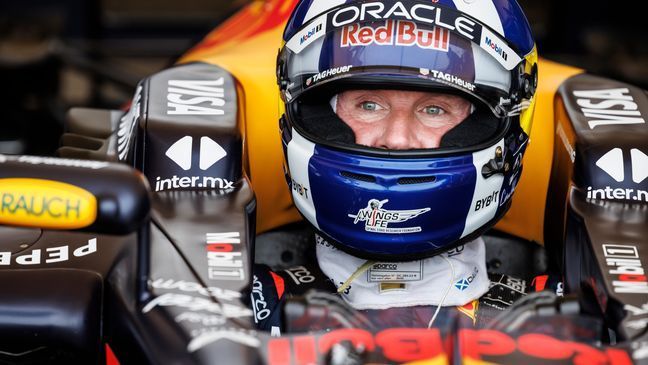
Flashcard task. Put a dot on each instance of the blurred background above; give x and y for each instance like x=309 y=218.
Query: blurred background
x=58 y=54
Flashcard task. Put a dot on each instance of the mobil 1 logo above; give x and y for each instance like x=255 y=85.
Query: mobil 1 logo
x=625 y=268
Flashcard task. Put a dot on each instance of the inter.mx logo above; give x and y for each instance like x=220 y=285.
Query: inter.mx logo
x=613 y=164
x=181 y=152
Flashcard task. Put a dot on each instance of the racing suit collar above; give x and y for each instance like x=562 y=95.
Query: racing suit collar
x=455 y=279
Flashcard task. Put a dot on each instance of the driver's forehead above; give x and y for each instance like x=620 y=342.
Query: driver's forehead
x=401 y=95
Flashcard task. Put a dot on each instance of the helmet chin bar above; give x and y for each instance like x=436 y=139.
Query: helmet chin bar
x=425 y=204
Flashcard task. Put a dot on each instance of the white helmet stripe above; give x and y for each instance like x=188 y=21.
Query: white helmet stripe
x=486 y=199
x=489 y=72
x=320 y=6
x=484 y=10
x=300 y=151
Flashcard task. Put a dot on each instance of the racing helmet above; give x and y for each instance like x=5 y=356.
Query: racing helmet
x=401 y=205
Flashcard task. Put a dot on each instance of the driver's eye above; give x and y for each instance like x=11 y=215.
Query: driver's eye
x=369 y=105
x=433 y=110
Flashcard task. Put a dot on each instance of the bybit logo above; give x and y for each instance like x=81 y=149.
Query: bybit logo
x=181 y=153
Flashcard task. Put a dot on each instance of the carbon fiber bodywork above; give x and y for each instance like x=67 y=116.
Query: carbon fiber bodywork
x=172 y=286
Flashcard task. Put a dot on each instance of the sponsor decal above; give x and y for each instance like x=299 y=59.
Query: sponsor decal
x=402 y=345
x=626 y=269
x=455 y=251
x=207 y=182
x=608 y=107
x=508 y=193
x=470 y=310
x=487 y=201
x=205 y=336
x=196 y=97
x=259 y=304
x=378 y=219
x=495 y=47
x=196 y=304
x=201 y=319
x=610 y=193
x=224 y=259
x=463 y=284
x=395 y=271
x=191 y=287
x=300 y=275
x=447 y=78
x=299 y=188
x=328 y=73
x=428 y=14
x=613 y=164
x=398 y=33
x=54 y=161
x=310 y=34
x=50 y=255
x=423 y=13
x=127 y=125
x=639 y=318
x=181 y=152
x=46 y=204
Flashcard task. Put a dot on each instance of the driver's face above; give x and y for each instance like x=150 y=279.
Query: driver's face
x=398 y=120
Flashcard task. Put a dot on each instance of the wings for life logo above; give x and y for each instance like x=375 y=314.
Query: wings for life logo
x=378 y=219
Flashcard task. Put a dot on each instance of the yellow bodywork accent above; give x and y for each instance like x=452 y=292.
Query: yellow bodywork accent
x=525 y=219
x=45 y=204
x=247 y=47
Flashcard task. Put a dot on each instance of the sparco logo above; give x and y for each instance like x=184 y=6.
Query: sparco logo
x=385 y=266
x=625 y=266
x=378 y=219
x=259 y=304
x=300 y=275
